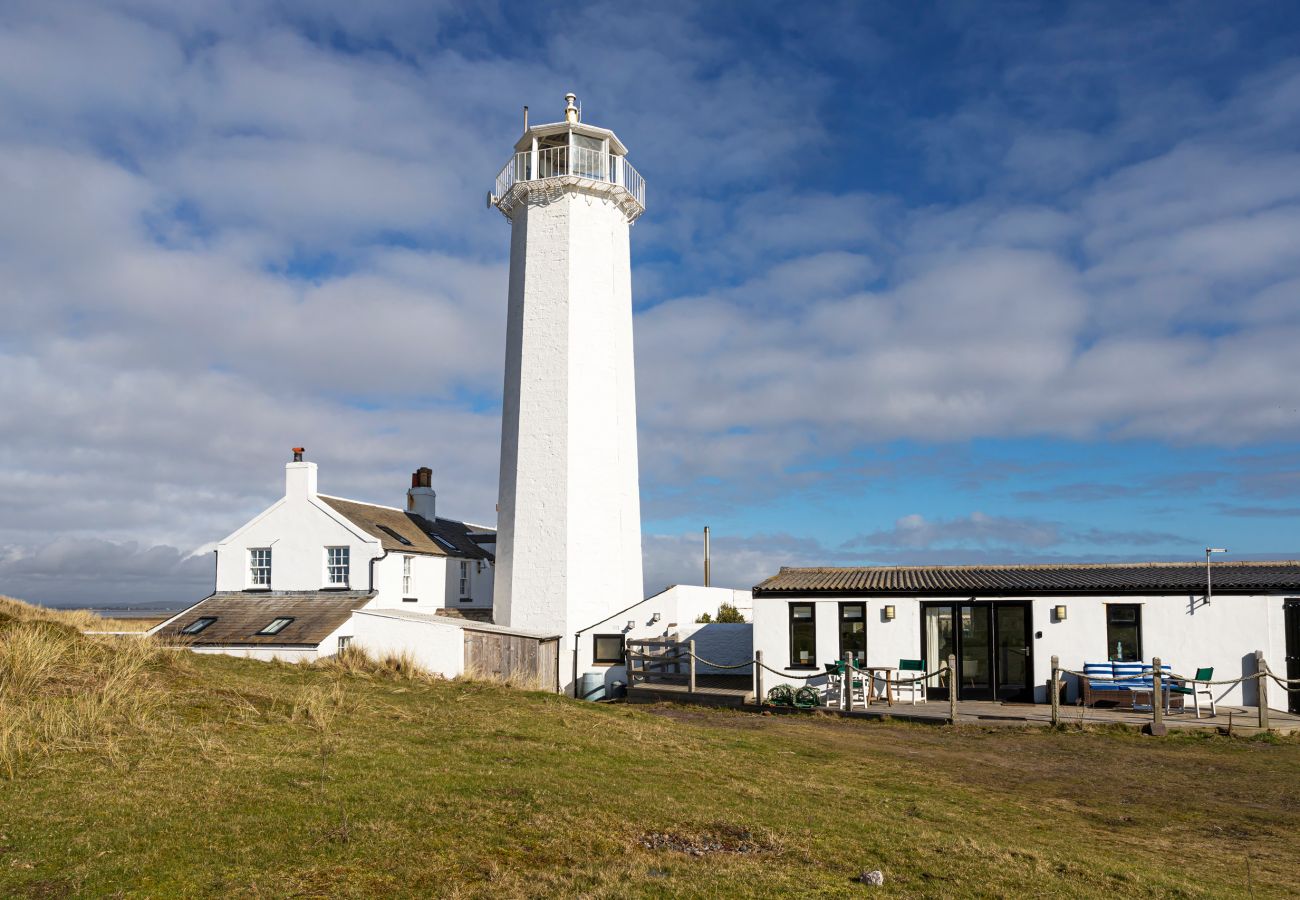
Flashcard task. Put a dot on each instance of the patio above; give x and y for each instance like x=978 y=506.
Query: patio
x=736 y=691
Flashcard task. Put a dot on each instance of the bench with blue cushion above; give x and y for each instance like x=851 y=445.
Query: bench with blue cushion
x=1114 y=683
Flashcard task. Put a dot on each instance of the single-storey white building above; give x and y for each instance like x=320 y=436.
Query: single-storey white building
x=1004 y=623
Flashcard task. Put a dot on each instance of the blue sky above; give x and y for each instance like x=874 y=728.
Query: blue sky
x=957 y=283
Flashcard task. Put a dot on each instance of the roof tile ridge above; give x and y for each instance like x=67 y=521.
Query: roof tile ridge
x=360 y=502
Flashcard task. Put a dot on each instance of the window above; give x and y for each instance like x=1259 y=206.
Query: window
x=336 y=565
x=464 y=580
x=395 y=536
x=803 y=636
x=444 y=543
x=406 y=578
x=259 y=567
x=607 y=649
x=277 y=625
x=198 y=624
x=1124 y=632
x=853 y=631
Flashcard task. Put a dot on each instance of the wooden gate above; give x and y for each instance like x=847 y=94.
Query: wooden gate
x=657 y=661
x=525 y=662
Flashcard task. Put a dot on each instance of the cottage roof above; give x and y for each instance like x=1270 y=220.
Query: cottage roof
x=238 y=616
x=1081 y=578
x=405 y=532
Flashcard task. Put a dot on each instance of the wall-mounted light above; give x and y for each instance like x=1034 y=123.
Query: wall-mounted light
x=889 y=613
x=631 y=623
x=1059 y=612
x=654 y=618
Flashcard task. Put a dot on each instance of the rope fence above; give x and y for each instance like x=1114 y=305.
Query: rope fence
x=1154 y=678
x=1164 y=685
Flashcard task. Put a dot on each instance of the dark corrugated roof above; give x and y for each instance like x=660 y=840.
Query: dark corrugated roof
x=1091 y=578
x=404 y=532
x=241 y=614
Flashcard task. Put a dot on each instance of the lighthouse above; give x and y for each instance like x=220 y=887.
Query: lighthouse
x=569 y=512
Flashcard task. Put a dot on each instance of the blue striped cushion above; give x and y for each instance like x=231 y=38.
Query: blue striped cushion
x=1130 y=671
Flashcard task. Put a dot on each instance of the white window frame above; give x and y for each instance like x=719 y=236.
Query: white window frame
x=408 y=580
x=338 y=561
x=254 y=569
x=464 y=580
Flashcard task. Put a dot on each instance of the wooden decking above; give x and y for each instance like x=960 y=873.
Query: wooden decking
x=737 y=692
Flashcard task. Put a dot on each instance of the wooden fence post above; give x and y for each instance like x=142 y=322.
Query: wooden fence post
x=1054 y=691
x=1157 y=726
x=690 y=648
x=846 y=682
x=1261 y=667
x=758 y=677
x=952 y=689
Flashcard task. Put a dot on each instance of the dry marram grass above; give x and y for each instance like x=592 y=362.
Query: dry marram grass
x=64 y=690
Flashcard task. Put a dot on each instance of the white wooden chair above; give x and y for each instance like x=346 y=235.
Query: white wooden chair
x=910 y=668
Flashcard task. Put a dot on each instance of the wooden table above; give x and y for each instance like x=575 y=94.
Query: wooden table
x=888 y=676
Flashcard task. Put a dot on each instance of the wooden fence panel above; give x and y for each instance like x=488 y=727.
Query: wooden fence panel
x=522 y=661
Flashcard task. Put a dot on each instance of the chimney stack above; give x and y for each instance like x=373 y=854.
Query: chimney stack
x=421 y=499
x=299 y=476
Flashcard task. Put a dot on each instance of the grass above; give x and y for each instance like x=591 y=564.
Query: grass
x=358 y=779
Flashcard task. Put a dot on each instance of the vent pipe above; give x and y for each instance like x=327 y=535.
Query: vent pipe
x=707 y=562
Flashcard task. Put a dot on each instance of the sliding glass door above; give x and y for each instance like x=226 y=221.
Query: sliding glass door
x=991 y=641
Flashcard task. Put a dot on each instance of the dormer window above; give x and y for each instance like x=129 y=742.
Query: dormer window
x=259 y=567
x=336 y=566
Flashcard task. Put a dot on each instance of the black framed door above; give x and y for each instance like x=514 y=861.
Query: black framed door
x=991 y=641
x=1292 y=608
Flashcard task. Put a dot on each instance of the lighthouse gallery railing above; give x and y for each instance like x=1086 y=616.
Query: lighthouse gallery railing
x=582 y=162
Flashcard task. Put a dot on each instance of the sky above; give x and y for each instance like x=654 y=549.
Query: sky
x=967 y=282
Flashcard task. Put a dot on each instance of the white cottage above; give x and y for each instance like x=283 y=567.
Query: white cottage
x=289 y=581
x=1004 y=623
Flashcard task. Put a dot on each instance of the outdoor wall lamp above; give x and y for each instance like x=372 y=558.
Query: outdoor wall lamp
x=889 y=613
x=631 y=623
x=1060 y=613
x=654 y=618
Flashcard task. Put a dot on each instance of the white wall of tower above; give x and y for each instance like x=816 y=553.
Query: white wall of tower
x=569 y=540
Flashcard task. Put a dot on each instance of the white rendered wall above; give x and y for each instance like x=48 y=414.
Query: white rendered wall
x=569 y=539
x=437 y=647
x=297 y=528
x=677 y=609
x=264 y=654
x=1224 y=635
x=428 y=583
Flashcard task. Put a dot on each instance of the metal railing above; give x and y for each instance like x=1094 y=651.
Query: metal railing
x=579 y=162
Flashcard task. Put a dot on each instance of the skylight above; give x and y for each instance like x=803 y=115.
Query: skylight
x=446 y=543
x=393 y=534
x=198 y=624
x=277 y=625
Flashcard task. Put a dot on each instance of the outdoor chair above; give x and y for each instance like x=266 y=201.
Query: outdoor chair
x=834 y=685
x=910 y=668
x=1196 y=687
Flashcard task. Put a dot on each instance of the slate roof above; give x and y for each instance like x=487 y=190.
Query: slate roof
x=241 y=614
x=1280 y=576
x=404 y=532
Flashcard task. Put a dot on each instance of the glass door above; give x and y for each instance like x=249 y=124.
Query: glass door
x=1292 y=608
x=1014 y=673
x=975 y=656
x=992 y=644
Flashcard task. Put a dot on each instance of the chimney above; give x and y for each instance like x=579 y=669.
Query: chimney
x=420 y=499
x=299 y=476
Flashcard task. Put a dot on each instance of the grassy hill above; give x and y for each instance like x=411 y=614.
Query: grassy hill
x=137 y=770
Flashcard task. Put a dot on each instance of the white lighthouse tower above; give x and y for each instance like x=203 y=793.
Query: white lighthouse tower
x=569 y=517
